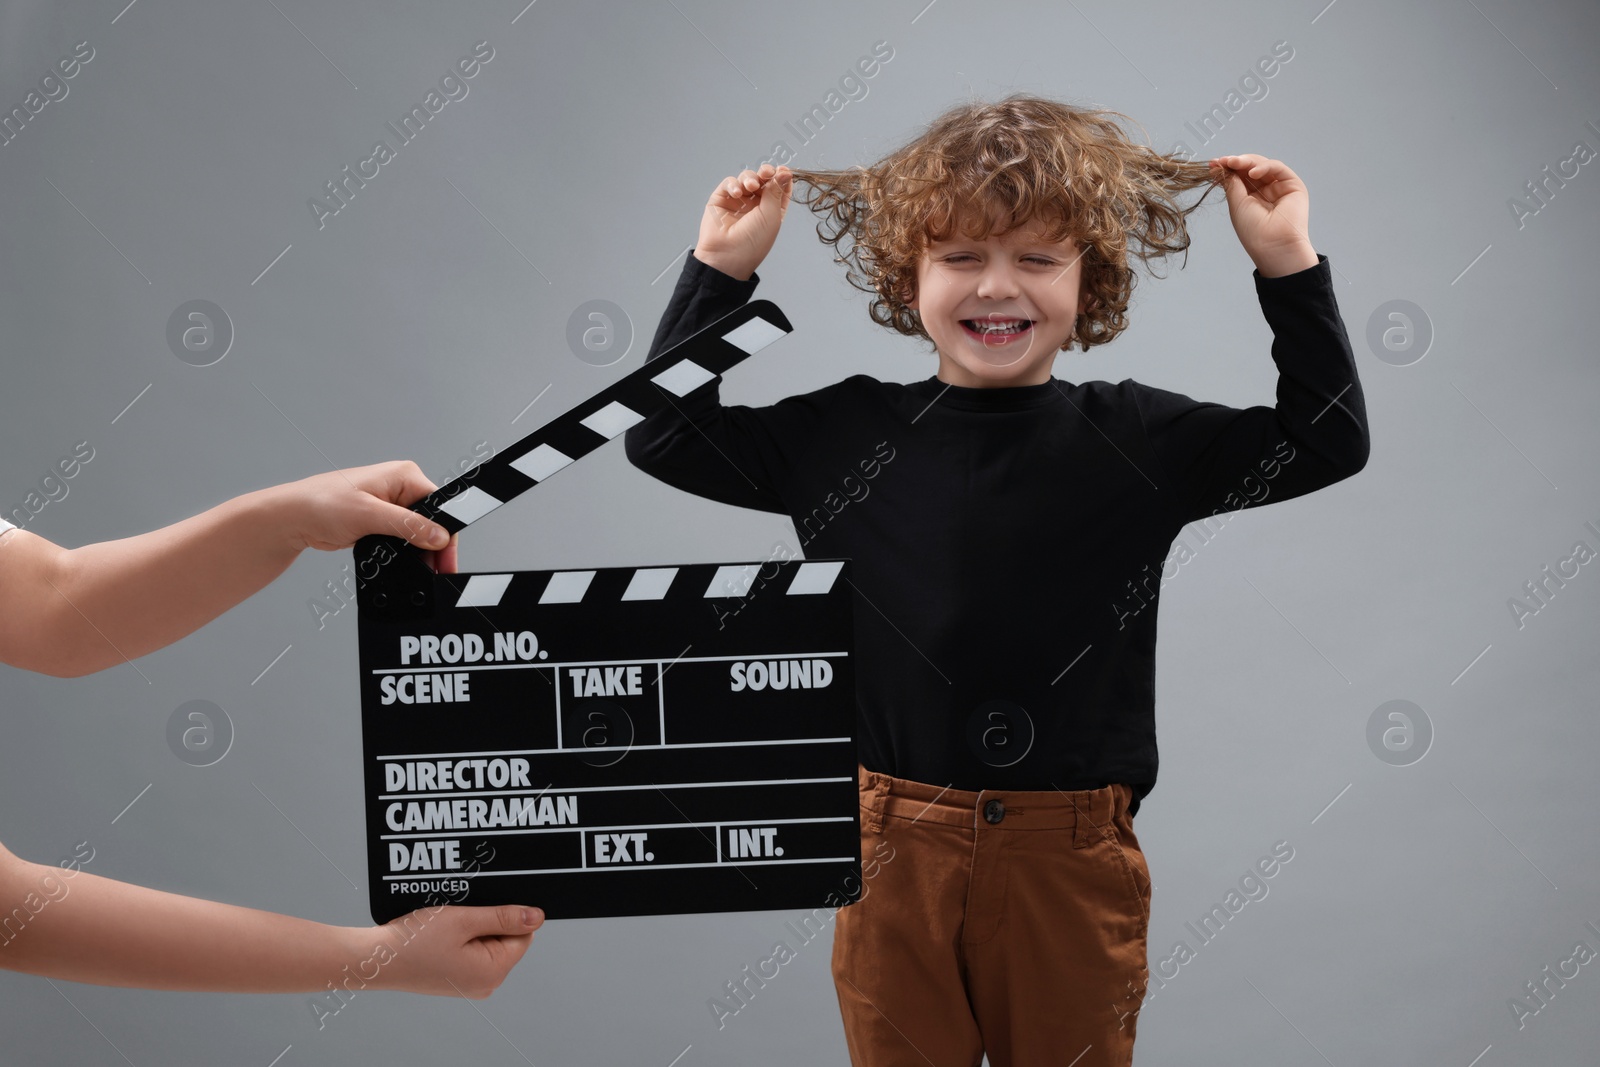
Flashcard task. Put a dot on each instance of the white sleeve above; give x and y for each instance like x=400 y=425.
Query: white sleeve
x=4 y=526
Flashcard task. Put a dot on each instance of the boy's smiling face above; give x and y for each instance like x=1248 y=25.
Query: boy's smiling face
x=962 y=282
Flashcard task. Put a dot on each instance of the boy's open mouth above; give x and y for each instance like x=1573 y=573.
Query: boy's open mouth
x=990 y=331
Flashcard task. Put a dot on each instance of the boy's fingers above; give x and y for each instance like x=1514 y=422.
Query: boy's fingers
x=747 y=182
x=1248 y=165
x=728 y=195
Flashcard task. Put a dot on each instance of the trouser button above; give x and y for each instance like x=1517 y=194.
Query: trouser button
x=994 y=811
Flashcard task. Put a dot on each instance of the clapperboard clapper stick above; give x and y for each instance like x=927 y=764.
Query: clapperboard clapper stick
x=614 y=741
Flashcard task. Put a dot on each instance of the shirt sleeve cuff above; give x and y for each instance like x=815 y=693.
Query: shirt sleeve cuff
x=1317 y=276
x=704 y=274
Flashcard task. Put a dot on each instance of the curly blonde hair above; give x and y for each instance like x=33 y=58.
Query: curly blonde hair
x=1022 y=159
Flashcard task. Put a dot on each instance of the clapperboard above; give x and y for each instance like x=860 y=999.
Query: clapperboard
x=615 y=741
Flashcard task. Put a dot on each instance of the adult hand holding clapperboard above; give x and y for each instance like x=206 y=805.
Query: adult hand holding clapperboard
x=73 y=612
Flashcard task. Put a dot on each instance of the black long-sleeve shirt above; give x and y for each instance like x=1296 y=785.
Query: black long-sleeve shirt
x=1008 y=544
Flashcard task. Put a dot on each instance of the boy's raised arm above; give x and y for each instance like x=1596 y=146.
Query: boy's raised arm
x=699 y=445
x=1219 y=458
x=732 y=454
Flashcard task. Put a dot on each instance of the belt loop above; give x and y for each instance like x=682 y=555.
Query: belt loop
x=880 y=790
x=1082 y=817
x=1094 y=815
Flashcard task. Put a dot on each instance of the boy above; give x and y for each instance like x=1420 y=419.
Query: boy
x=1004 y=656
x=72 y=612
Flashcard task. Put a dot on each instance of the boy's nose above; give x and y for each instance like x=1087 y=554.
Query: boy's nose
x=998 y=281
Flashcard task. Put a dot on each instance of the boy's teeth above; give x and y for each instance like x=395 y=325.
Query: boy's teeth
x=998 y=326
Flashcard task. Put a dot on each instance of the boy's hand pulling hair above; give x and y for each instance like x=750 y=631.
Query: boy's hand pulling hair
x=1270 y=209
x=742 y=218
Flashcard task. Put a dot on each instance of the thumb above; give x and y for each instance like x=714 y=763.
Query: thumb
x=403 y=522
x=507 y=920
x=783 y=185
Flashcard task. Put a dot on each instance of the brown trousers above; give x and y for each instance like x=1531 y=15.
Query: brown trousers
x=1004 y=922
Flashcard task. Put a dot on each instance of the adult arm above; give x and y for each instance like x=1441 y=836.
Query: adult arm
x=70 y=612
x=69 y=924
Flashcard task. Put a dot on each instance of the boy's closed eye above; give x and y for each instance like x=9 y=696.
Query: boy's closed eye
x=960 y=256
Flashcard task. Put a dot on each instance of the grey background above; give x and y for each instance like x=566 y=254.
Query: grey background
x=424 y=318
